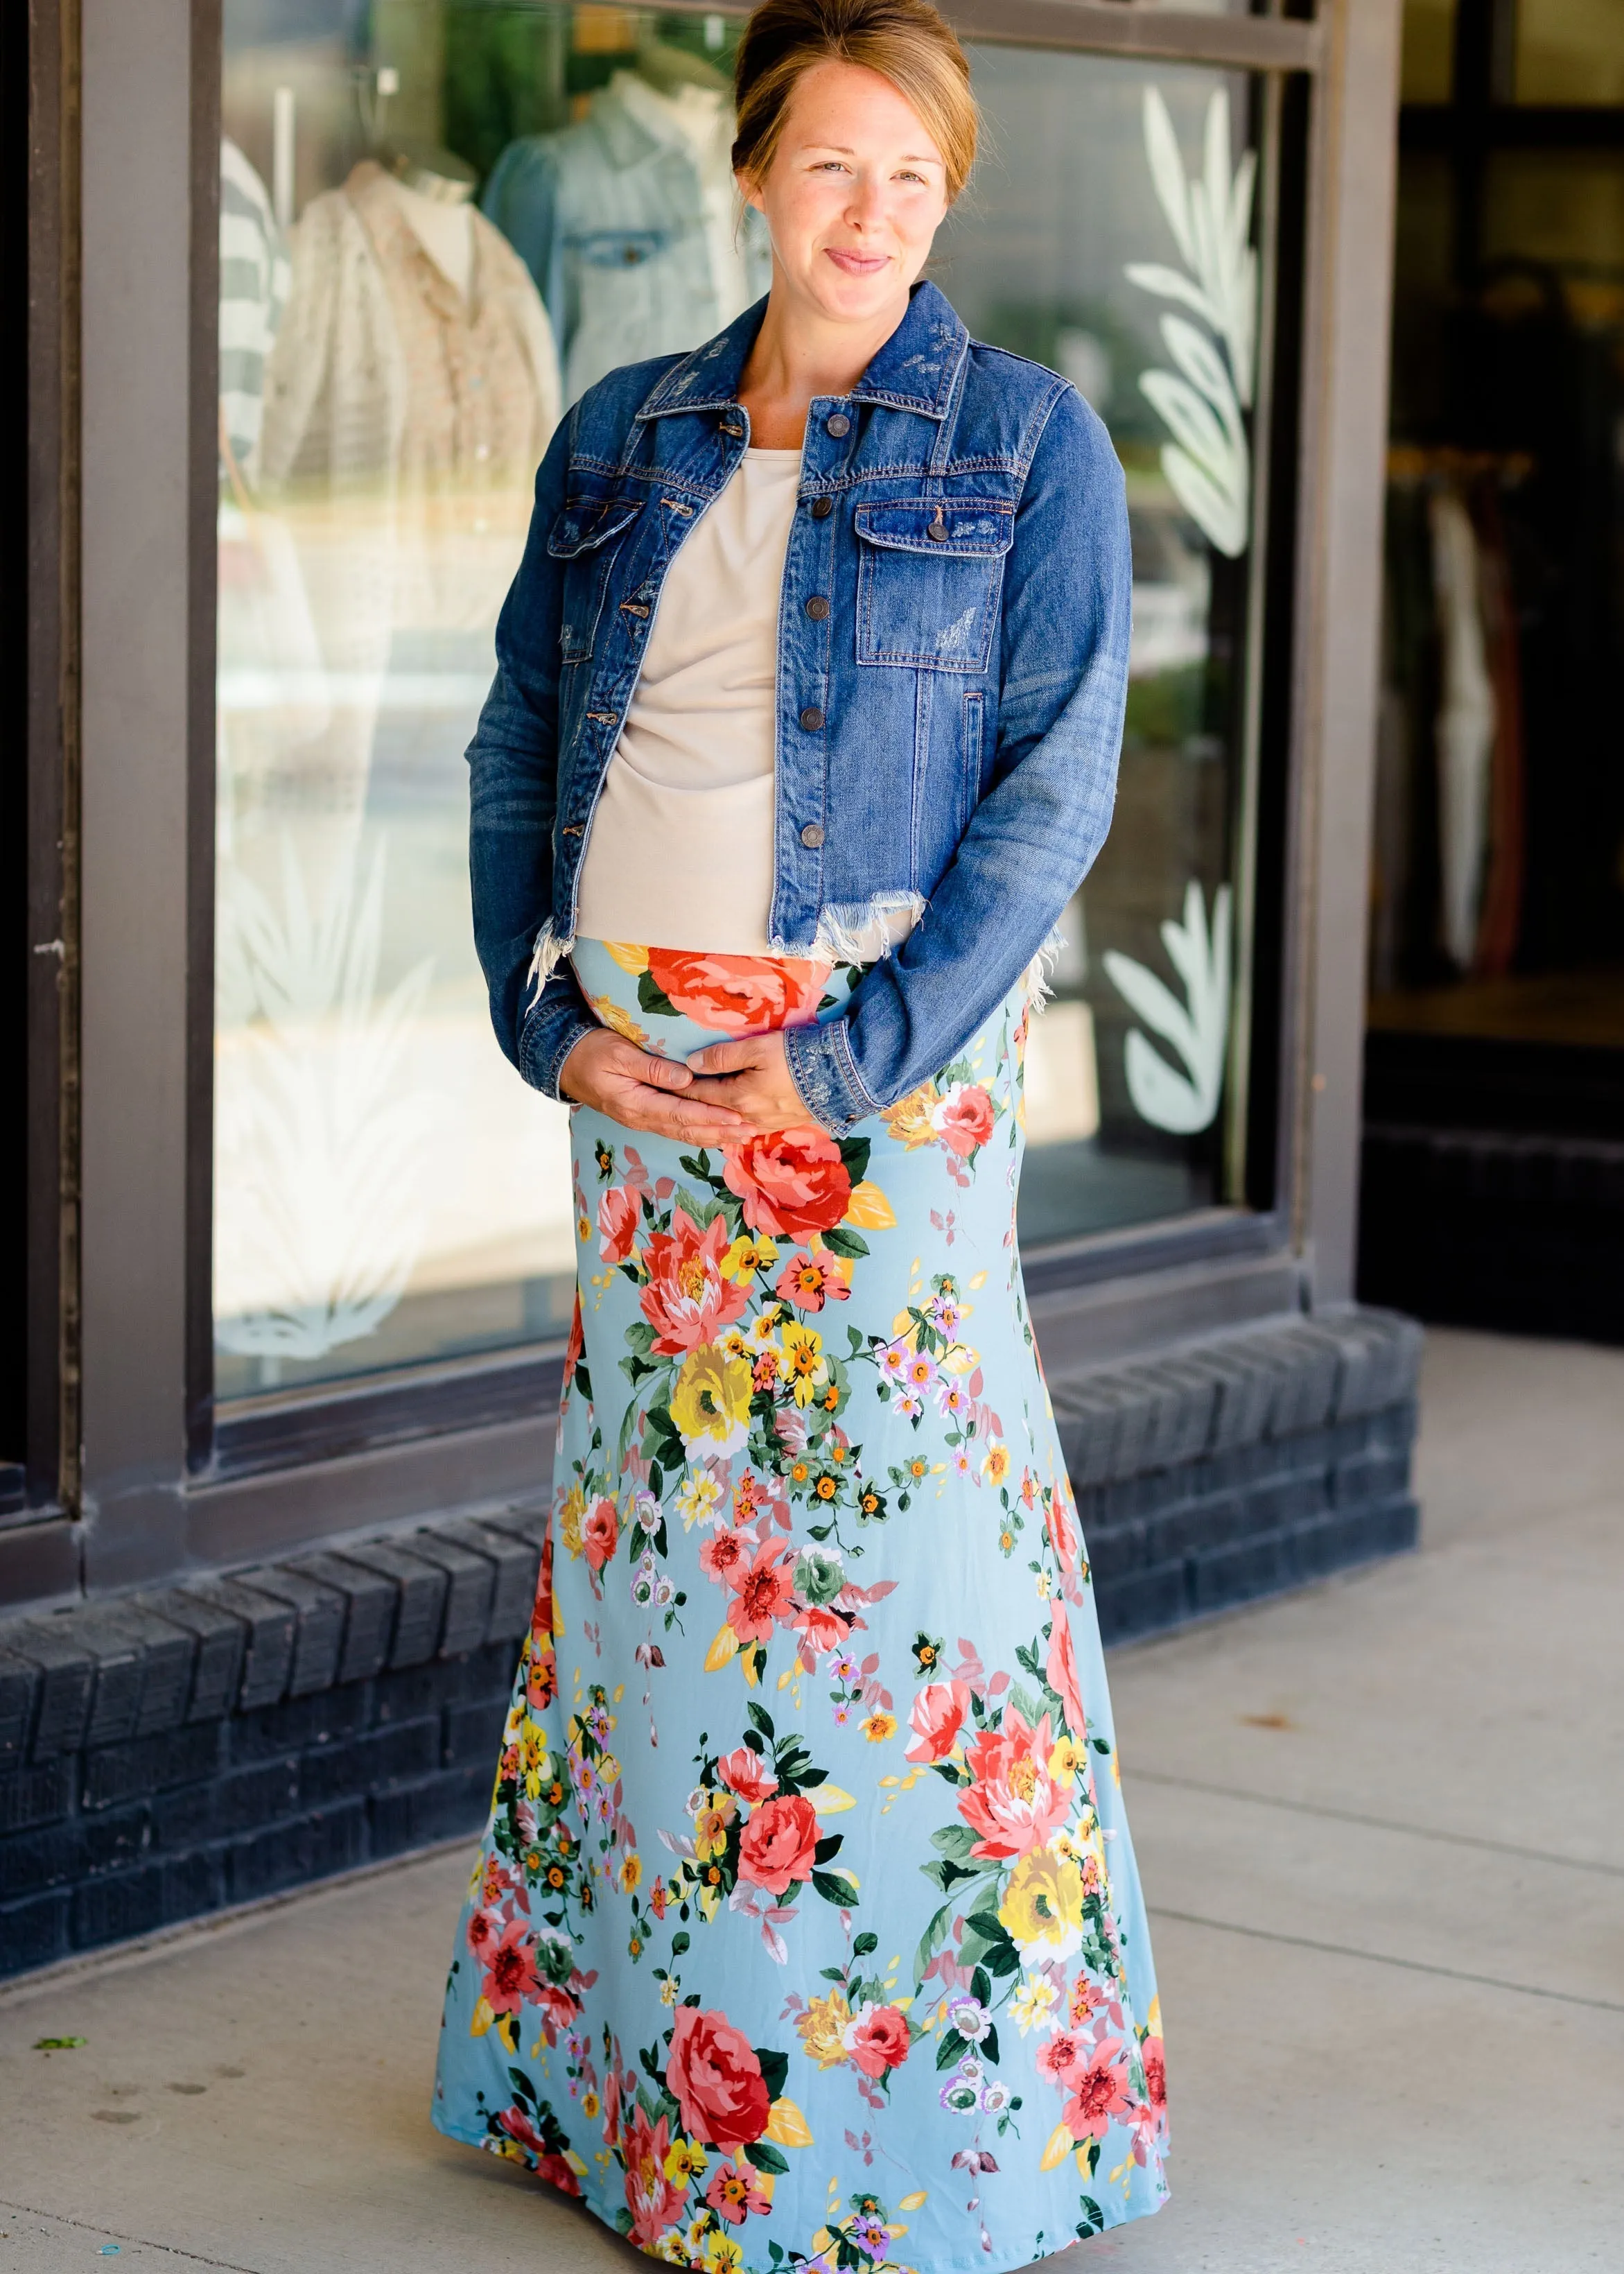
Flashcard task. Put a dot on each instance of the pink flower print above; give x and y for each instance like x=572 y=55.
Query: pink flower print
x=1102 y=2093
x=920 y=1371
x=1012 y=1802
x=618 y=1214
x=951 y=1400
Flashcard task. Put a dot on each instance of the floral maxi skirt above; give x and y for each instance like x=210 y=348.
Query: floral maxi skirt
x=806 y=1931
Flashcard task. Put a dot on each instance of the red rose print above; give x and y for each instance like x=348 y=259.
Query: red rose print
x=558 y=2174
x=877 y=2040
x=964 y=1120
x=1154 y=2056
x=777 y=1845
x=686 y=1301
x=791 y=1182
x=576 y=1343
x=599 y=1533
x=936 y=1717
x=746 y=1774
x=1102 y=2093
x=716 y=2080
x=1060 y=1671
x=618 y=1214
x=739 y=994
x=547 y=2166
x=762 y=1593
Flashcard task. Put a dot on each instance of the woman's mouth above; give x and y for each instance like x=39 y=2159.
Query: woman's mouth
x=855 y=264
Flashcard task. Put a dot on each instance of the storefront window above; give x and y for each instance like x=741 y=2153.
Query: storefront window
x=440 y=219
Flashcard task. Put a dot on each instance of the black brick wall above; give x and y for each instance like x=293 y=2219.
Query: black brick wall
x=165 y=1754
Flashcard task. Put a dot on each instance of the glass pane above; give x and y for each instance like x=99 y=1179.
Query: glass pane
x=397 y=340
x=1570 y=51
x=1075 y=246
x=1427 y=70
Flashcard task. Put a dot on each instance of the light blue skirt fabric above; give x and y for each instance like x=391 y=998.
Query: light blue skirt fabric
x=806 y=1932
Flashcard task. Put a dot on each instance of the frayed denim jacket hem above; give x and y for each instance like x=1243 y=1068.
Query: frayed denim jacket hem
x=948 y=720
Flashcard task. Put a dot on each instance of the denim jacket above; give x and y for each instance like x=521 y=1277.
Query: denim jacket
x=952 y=667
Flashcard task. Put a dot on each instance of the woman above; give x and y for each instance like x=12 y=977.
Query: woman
x=807 y=1854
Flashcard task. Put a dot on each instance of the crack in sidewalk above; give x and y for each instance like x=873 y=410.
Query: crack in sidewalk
x=1382 y=1958
x=141 y=2241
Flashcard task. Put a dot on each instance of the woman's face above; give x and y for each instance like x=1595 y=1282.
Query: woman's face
x=853 y=195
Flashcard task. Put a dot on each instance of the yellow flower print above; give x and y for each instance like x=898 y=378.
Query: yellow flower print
x=722 y=2254
x=671 y=2248
x=1042 y=1907
x=572 y=1513
x=909 y=1120
x=715 y=1813
x=591 y=2107
x=746 y=1257
x=878 y=1726
x=821 y=2031
x=995 y=1467
x=1032 y=2004
x=685 y=2160
x=1065 y=1761
x=630 y=957
x=711 y=1405
x=697 y=1498
x=534 y=1759
x=609 y=1012
x=801 y=1362
x=631 y=1874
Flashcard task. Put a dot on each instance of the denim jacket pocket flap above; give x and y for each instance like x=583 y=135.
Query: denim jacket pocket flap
x=587 y=523
x=979 y=527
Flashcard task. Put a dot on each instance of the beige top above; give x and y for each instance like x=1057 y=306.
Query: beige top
x=680 y=850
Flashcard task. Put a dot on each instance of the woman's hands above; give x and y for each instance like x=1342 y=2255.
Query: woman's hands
x=753 y=1080
x=641 y=1091
x=744 y=1087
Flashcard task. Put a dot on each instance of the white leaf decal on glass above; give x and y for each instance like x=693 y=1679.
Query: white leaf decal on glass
x=1197 y=1029
x=322 y=1139
x=1208 y=462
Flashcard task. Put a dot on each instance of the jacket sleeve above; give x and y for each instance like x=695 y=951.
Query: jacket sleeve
x=1066 y=615
x=521 y=197
x=513 y=800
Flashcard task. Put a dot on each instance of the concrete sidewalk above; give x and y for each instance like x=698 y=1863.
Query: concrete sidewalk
x=1379 y=1831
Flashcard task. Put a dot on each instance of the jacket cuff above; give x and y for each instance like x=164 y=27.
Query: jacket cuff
x=821 y=1067
x=556 y=1022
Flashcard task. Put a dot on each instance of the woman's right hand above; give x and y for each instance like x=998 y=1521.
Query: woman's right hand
x=640 y=1091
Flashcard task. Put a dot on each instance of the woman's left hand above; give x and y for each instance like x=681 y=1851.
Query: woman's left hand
x=753 y=1079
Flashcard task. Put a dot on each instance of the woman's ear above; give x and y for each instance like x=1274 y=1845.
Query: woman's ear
x=749 y=191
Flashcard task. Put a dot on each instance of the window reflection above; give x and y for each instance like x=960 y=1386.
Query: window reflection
x=441 y=219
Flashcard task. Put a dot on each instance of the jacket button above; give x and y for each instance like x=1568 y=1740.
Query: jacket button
x=812 y=719
x=839 y=426
x=817 y=607
x=937 y=529
x=812 y=836
x=822 y=508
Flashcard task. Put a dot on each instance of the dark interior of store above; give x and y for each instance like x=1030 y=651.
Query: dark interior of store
x=1493 y=1173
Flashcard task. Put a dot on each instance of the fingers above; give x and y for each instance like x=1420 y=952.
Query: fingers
x=723 y=1058
x=659 y=1074
x=637 y=1105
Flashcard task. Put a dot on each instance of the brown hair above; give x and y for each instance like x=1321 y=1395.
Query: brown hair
x=905 y=40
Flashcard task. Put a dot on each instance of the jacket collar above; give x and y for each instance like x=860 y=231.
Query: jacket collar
x=916 y=369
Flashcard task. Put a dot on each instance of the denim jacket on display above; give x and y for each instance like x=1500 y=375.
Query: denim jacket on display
x=952 y=667
x=610 y=220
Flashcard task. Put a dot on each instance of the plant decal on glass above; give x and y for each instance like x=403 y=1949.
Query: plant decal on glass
x=322 y=1141
x=1198 y=1029
x=1209 y=462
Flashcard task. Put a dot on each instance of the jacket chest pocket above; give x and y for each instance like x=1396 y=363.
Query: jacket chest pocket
x=929 y=577
x=586 y=537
